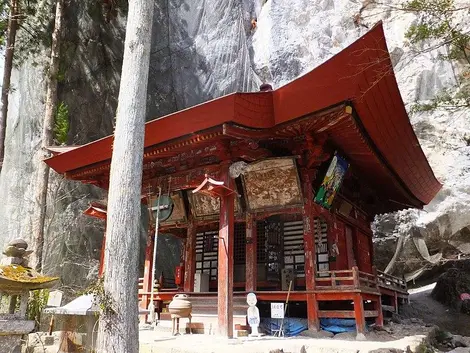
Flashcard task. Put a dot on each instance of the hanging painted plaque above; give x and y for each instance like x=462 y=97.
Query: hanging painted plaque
x=272 y=183
x=204 y=206
x=332 y=181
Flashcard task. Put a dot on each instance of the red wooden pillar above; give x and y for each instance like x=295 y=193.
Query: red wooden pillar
x=379 y=321
x=225 y=265
x=359 y=316
x=309 y=247
x=251 y=261
x=146 y=288
x=190 y=258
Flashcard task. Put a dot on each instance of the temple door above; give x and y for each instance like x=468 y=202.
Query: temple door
x=363 y=251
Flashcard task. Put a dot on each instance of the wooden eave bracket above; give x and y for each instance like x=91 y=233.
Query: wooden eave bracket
x=214 y=188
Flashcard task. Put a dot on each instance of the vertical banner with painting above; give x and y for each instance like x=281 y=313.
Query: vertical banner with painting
x=332 y=181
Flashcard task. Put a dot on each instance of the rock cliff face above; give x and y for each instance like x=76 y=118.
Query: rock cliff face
x=201 y=50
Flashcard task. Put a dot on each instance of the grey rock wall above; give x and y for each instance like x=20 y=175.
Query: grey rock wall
x=202 y=49
x=199 y=52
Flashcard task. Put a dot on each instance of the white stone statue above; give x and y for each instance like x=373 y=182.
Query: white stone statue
x=253 y=314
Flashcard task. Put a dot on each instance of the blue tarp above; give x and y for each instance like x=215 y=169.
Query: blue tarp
x=338 y=325
x=292 y=326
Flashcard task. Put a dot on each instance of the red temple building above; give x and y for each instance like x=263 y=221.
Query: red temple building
x=279 y=187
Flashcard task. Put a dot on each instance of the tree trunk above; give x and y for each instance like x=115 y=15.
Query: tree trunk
x=40 y=196
x=8 y=66
x=118 y=332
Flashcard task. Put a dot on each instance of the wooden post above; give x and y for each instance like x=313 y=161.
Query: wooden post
x=146 y=288
x=376 y=280
x=379 y=321
x=190 y=258
x=251 y=261
x=355 y=272
x=359 y=316
x=309 y=248
x=225 y=265
x=395 y=301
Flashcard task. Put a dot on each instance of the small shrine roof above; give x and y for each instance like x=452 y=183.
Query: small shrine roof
x=378 y=136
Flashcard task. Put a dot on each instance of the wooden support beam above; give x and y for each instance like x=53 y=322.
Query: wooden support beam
x=225 y=265
x=379 y=321
x=309 y=247
x=190 y=257
x=395 y=301
x=148 y=263
x=251 y=260
x=343 y=314
x=359 y=316
x=355 y=271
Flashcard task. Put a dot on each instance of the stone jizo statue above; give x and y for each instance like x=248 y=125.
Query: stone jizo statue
x=253 y=314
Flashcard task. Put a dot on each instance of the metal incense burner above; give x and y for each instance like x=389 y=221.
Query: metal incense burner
x=180 y=307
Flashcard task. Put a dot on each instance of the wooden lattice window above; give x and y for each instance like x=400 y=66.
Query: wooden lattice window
x=207 y=253
x=269 y=249
x=207 y=249
x=321 y=246
x=260 y=242
x=239 y=248
x=294 y=253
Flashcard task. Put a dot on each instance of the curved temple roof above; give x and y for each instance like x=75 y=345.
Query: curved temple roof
x=362 y=75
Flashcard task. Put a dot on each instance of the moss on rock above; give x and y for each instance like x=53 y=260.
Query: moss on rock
x=22 y=274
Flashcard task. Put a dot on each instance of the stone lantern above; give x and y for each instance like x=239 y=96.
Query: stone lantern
x=16 y=281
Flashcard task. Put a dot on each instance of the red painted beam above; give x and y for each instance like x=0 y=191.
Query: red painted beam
x=147 y=270
x=327 y=296
x=379 y=321
x=251 y=263
x=225 y=265
x=190 y=257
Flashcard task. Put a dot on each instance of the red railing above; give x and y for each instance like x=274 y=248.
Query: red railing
x=344 y=279
x=340 y=279
x=391 y=282
x=355 y=279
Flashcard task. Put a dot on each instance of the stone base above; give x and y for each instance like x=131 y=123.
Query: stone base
x=48 y=340
x=242 y=333
x=13 y=261
x=15 y=327
x=10 y=344
x=361 y=337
